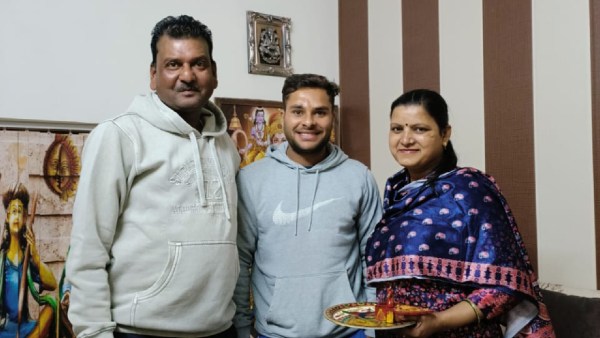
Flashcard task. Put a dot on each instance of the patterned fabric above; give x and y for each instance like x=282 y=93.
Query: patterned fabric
x=439 y=296
x=457 y=230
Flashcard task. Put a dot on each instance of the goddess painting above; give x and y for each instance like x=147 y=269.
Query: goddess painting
x=20 y=270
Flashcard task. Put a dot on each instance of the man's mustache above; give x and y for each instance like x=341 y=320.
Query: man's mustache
x=185 y=88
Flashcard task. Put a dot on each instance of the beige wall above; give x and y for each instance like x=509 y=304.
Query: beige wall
x=563 y=139
x=83 y=61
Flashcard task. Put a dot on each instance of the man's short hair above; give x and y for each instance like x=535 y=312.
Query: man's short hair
x=183 y=26
x=297 y=81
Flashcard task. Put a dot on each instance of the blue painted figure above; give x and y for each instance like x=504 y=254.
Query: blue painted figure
x=18 y=253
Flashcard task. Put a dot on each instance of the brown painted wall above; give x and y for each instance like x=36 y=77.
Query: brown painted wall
x=354 y=79
x=508 y=97
x=420 y=44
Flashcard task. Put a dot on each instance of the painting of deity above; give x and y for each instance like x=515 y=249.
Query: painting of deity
x=38 y=179
x=253 y=125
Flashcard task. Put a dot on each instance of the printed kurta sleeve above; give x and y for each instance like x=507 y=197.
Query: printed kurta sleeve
x=102 y=187
x=246 y=241
x=492 y=302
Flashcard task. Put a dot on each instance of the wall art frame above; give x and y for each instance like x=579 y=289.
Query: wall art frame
x=253 y=125
x=269 y=46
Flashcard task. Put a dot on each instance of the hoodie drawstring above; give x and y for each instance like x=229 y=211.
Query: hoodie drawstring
x=200 y=174
x=213 y=149
x=312 y=202
x=297 y=198
x=198 y=169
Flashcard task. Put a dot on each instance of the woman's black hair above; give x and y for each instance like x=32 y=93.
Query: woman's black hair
x=435 y=105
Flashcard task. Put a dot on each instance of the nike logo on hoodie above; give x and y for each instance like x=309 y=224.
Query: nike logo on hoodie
x=281 y=217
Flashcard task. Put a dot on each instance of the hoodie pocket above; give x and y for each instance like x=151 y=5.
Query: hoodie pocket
x=197 y=282
x=299 y=302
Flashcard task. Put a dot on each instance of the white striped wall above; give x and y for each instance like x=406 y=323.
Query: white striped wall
x=563 y=141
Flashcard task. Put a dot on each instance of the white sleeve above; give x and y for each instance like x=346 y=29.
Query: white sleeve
x=106 y=165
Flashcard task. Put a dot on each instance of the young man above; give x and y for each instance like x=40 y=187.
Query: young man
x=305 y=213
x=153 y=249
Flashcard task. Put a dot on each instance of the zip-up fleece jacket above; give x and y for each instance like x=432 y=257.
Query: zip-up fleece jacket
x=302 y=237
x=153 y=246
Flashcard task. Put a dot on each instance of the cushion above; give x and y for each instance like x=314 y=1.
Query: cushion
x=573 y=316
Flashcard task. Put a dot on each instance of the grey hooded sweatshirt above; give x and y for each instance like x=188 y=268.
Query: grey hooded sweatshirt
x=302 y=235
x=154 y=226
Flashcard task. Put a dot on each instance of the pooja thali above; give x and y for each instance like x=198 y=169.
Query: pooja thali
x=362 y=316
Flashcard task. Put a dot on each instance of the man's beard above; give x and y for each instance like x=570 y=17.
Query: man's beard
x=314 y=150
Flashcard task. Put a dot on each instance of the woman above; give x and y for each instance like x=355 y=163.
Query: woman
x=448 y=240
x=17 y=240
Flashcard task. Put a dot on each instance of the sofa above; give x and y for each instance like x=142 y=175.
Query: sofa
x=574 y=312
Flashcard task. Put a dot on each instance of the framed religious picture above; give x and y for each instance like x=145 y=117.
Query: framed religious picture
x=254 y=125
x=269 y=47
